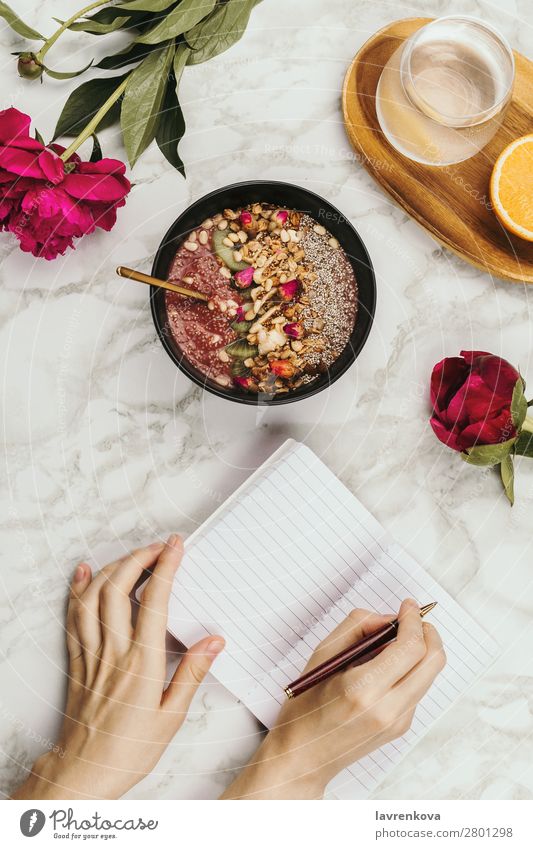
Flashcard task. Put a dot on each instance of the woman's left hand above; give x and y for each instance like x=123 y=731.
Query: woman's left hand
x=119 y=717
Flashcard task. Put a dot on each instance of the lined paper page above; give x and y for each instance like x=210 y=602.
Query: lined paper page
x=279 y=565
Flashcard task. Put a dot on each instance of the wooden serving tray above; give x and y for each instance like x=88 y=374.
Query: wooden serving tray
x=451 y=202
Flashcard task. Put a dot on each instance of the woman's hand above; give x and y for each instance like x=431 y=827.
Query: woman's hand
x=119 y=717
x=356 y=711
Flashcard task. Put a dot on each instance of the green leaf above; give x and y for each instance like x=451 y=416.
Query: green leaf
x=220 y=31
x=66 y=75
x=170 y=128
x=507 y=474
x=184 y=16
x=96 y=155
x=488 y=455
x=524 y=444
x=130 y=54
x=143 y=100
x=518 y=404
x=99 y=28
x=18 y=25
x=38 y=136
x=84 y=103
x=146 y=5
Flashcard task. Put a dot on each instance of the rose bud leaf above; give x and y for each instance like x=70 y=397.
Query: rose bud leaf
x=507 y=475
x=518 y=404
x=488 y=455
x=524 y=444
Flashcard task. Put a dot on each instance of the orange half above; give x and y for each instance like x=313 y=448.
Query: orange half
x=511 y=187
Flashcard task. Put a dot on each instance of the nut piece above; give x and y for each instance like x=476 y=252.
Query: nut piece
x=223 y=380
x=222 y=225
x=225 y=272
x=321 y=231
x=223 y=356
x=211 y=305
x=333 y=243
x=227 y=242
x=191 y=246
x=203 y=237
x=207 y=224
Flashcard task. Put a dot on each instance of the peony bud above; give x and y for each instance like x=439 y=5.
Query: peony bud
x=295 y=330
x=244 y=278
x=289 y=290
x=29 y=67
x=282 y=368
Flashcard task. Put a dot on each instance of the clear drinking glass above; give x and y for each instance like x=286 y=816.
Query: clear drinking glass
x=444 y=92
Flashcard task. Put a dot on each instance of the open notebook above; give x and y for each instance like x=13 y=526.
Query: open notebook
x=279 y=565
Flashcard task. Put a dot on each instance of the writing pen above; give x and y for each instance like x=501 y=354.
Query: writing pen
x=357 y=651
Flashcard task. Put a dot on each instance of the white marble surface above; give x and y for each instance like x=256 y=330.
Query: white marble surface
x=107 y=445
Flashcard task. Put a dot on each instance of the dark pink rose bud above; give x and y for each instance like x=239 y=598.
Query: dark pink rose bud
x=281 y=217
x=246 y=219
x=295 y=330
x=246 y=383
x=244 y=278
x=289 y=290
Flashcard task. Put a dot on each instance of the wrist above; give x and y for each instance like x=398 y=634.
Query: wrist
x=276 y=773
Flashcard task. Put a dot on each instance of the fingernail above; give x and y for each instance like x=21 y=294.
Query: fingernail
x=411 y=602
x=155 y=545
x=215 y=646
x=173 y=540
x=79 y=573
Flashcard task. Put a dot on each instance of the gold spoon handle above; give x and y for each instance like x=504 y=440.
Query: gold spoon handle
x=131 y=274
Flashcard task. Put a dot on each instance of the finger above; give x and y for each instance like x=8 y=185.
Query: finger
x=417 y=682
x=153 y=611
x=399 y=657
x=114 y=593
x=192 y=670
x=358 y=624
x=80 y=582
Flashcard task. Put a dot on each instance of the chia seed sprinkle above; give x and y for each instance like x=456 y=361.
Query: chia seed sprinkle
x=332 y=297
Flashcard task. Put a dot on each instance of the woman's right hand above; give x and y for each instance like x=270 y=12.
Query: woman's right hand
x=335 y=723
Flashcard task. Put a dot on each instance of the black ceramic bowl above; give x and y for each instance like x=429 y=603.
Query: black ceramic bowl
x=286 y=196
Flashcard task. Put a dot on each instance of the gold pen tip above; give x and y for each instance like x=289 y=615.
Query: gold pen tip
x=427 y=607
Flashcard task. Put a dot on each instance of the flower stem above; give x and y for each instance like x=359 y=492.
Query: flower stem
x=93 y=123
x=53 y=38
x=527 y=424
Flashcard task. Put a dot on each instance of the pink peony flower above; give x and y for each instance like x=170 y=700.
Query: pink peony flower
x=45 y=202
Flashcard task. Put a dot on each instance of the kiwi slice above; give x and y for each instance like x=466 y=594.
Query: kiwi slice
x=238 y=369
x=225 y=253
x=241 y=328
x=240 y=349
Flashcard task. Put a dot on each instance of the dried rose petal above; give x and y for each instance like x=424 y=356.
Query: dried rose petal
x=281 y=216
x=282 y=368
x=244 y=382
x=289 y=290
x=295 y=330
x=244 y=278
x=246 y=219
